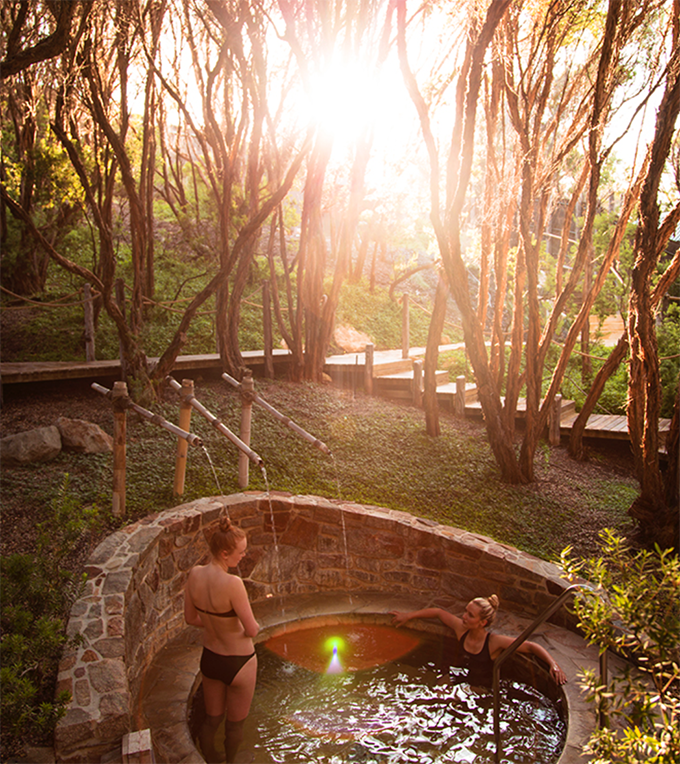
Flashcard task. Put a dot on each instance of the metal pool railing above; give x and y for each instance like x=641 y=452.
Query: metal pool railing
x=513 y=647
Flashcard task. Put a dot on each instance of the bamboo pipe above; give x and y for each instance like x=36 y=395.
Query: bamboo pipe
x=282 y=417
x=194 y=440
x=247 y=391
x=215 y=422
x=119 y=396
x=182 y=445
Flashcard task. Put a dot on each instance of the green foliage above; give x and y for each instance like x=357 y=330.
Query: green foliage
x=637 y=617
x=37 y=592
x=456 y=363
x=613 y=298
x=668 y=338
x=379 y=317
x=615 y=394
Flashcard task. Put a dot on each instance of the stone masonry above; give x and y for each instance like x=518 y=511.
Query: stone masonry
x=133 y=603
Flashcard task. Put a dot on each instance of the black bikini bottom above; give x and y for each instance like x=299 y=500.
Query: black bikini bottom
x=224 y=668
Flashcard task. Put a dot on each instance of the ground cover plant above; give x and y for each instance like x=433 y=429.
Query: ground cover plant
x=381 y=455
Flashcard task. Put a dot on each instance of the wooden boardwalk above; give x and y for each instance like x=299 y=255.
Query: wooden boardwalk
x=392 y=377
x=389 y=365
x=46 y=371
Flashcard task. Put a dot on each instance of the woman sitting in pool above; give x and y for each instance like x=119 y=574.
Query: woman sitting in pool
x=481 y=647
x=217 y=601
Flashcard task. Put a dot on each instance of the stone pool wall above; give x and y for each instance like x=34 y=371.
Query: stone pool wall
x=133 y=606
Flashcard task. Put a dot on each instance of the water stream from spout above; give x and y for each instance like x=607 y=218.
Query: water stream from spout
x=276 y=542
x=212 y=467
x=344 y=529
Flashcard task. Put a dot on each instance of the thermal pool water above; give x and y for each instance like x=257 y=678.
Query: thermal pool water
x=369 y=693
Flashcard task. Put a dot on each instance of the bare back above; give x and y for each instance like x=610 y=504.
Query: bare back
x=210 y=588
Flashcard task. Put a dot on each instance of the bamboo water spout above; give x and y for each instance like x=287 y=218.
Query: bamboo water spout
x=215 y=422
x=281 y=417
x=194 y=440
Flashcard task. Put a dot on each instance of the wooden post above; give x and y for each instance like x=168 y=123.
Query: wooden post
x=182 y=443
x=368 y=368
x=418 y=382
x=137 y=748
x=247 y=390
x=120 y=301
x=267 y=331
x=119 y=397
x=89 y=322
x=554 y=421
x=405 y=339
x=459 y=406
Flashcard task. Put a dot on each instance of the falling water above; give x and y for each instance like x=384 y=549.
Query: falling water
x=212 y=467
x=344 y=529
x=276 y=543
x=337 y=475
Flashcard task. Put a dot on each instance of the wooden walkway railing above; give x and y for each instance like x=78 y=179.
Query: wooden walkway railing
x=391 y=376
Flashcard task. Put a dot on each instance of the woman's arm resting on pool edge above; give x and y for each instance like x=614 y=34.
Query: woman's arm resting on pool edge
x=448 y=619
x=501 y=642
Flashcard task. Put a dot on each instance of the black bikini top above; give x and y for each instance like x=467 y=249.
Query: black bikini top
x=228 y=614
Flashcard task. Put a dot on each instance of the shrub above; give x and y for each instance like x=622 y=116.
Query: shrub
x=639 y=618
x=37 y=592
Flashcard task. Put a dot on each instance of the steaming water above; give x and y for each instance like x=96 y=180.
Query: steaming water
x=414 y=709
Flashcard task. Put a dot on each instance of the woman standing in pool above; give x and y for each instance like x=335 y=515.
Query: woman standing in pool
x=481 y=647
x=217 y=601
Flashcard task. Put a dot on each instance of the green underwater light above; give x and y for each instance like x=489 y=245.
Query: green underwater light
x=334 y=644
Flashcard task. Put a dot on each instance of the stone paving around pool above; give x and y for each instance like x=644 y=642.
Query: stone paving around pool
x=137 y=663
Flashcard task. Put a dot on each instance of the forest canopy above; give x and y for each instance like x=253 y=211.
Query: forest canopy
x=523 y=155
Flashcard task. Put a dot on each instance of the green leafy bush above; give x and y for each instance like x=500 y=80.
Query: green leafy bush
x=37 y=592
x=639 y=619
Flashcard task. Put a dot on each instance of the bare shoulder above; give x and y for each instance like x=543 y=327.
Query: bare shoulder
x=498 y=643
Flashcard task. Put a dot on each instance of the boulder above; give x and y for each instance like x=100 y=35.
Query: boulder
x=350 y=339
x=38 y=445
x=84 y=437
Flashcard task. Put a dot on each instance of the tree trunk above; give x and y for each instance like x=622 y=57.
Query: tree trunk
x=434 y=334
x=650 y=509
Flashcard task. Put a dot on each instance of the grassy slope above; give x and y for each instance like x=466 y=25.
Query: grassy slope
x=381 y=455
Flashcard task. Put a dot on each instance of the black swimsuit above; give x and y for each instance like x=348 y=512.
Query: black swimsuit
x=224 y=668
x=227 y=614
x=479 y=665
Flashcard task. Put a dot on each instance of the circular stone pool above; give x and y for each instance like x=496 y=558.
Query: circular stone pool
x=136 y=662
x=364 y=692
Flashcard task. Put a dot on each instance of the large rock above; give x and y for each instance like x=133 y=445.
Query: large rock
x=38 y=445
x=84 y=437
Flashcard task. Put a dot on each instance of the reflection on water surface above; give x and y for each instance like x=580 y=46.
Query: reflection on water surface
x=415 y=708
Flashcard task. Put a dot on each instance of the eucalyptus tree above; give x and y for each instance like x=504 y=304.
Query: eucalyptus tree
x=332 y=47
x=38 y=30
x=552 y=76
x=656 y=508
x=217 y=167
x=34 y=34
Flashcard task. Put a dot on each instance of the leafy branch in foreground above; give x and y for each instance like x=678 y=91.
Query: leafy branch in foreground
x=638 y=618
x=37 y=592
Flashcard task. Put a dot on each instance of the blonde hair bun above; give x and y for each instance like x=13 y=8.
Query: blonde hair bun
x=493 y=601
